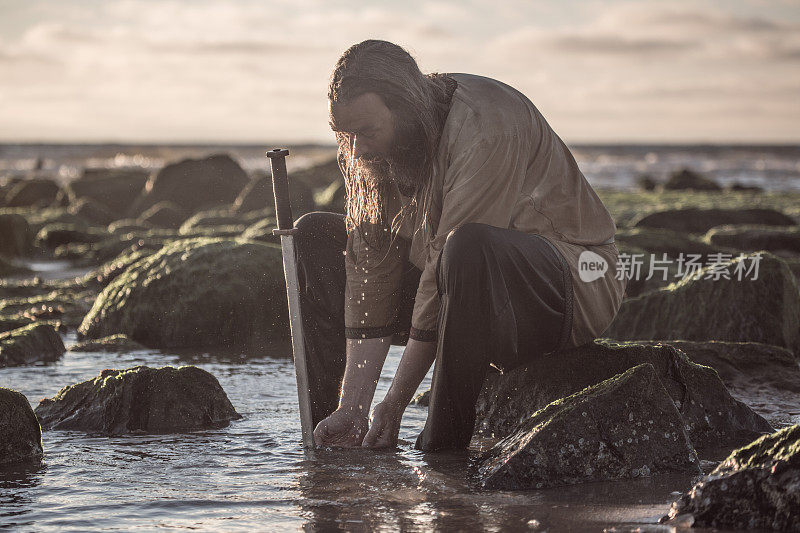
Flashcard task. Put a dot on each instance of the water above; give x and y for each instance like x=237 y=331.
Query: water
x=613 y=166
x=253 y=474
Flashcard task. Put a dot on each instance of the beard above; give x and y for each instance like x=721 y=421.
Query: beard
x=402 y=166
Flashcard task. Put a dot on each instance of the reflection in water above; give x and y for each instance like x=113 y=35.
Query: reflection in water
x=16 y=496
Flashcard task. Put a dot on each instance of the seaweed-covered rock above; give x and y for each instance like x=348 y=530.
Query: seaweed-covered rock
x=751 y=238
x=66 y=304
x=129 y=225
x=140 y=400
x=163 y=215
x=16 y=237
x=257 y=195
x=219 y=292
x=624 y=427
x=54 y=235
x=658 y=241
x=113 y=343
x=262 y=231
x=423 y=398
x=210 y=218
x=756 y=487
x=35 y=192
x=116 y=189
x=20 y=433
x=689 y=179
x=30 y=344
x=766 y=309
x=194 y=184
x=696 y=220
x=92 y=212
x=711 y=414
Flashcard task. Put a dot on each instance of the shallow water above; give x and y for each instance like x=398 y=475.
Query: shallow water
x=253 y=475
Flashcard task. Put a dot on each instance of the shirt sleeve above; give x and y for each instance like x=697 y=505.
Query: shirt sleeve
x=482 y=184
x=373 y=285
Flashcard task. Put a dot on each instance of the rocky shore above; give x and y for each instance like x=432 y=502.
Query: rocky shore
x=184 y=257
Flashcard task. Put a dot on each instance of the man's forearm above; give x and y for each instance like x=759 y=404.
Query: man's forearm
x=365 y=358
x=417 y=359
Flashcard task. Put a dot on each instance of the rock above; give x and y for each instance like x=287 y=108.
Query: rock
x=663 y=241
x=318 y=176
x=624 y=427
x=11 y=322
x=194 y=184
x=639 y=278
x=108 y=271
x=262 y=231
x=257 y=196
x=10 y=268
x=221 y=292
x=92 y=211
x=54 y=235
x=736 y=186
x=20 y=433
x=140 y=400
x=114 y=343
x=114 y=188
x=35 y=192
x=212 y=218
x=30 y=344
x=765 y=377
x=711 y=415
x=16 y=237
x=696 y=220
x=163 y=215
x=688 y=179
x=423 y=399
x=129 y=225
x=754 y=237
x=756 y=487
x=766 y=309
x=67 y=305
x=646 y=183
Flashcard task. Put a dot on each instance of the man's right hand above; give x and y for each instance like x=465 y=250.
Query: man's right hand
x=343 y=428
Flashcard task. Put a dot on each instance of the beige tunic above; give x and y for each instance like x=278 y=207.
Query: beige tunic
x=498 y=163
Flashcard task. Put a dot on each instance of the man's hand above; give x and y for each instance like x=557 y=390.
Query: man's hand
x=343 y=428
x=385 y=426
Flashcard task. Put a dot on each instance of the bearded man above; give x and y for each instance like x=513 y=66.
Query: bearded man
x=465 y=219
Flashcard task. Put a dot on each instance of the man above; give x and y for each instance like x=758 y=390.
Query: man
x=466 y=217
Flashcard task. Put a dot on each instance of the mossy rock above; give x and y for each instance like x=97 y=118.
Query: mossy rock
x=196 y=292
x=35 y=192
x=756 y=487
x=108 y=271
x=54 y=235
x=113 y=343
x=16 y=237
x=140 y=400
x=624 y=427
x=638 y=263
x=262 y=231
x=92 y=211
x=712 y=416
x=194 y=184
x=257 y=196
x=319 y=176
x=209 y=219
x=689 y=179
x=663 y=241
x=129 y=225
x=332 y=198
x=20 y=433
x=756 y=237
x=766 y=309
x=67 y=305
x=116 y=189
x=30 y=344
x=10 y=268
x=694 y=220
x=163 y=215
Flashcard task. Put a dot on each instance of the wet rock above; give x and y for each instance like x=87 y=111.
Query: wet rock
x=194 y=184
x=20 y=433
x=257 y=196
x=319 y=176
x=140 y=400
x=765 y=377
x=696 y=220
x=221 y=292
x=659 y=241
x=689 y=179
x=778 y=240
x=11 y=268
x=756 y=487
x=766 y=309
x=209 y=219
x=712 y=416
x=163 y=215
x=13 y=321
x=423 y=399
x=35 y=192
x=624 y=427
x=16 y=237
x=67 y=305
x=262 y=231
x=114 y=188
x=92 y=211
x=30 y=344
x=646 y=183
x=54 y=235
x=113 y=343
x=639 y=278
x=129 y=225
x=736 y=186
x=108 y=271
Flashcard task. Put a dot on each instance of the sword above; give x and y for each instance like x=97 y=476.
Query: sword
x=286 y=230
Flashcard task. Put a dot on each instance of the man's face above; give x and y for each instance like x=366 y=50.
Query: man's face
x=369 y=130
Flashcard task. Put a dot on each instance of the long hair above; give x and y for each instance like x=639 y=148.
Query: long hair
x=419 y=103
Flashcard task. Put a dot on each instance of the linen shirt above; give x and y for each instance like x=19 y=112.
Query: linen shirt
x=498 y=163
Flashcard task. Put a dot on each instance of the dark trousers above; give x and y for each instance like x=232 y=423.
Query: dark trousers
x=506 y=298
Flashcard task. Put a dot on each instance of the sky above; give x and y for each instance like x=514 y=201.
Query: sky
x=242 y=71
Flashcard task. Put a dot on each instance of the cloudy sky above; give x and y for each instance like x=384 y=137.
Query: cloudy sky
x=257 y=70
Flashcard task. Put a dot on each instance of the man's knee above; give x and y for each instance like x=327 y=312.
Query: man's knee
x=318 y=223
x=461 y=253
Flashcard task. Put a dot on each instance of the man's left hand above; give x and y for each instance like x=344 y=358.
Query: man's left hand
x=385 y=426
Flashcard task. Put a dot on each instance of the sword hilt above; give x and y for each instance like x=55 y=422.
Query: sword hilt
x=280 y=188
